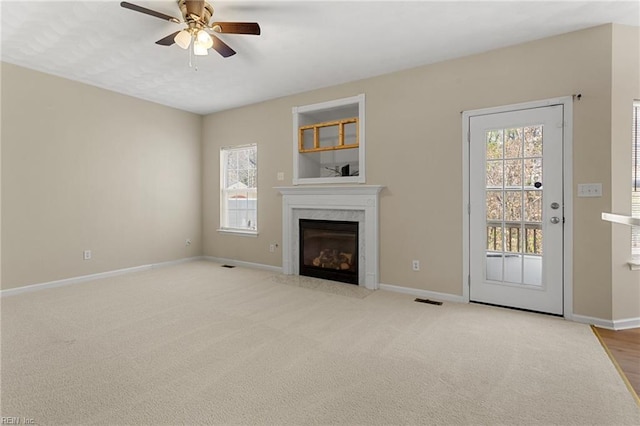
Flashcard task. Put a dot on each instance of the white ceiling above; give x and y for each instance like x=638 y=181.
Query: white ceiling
x=304 y=44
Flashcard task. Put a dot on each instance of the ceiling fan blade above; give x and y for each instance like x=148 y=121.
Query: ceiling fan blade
x=221 y=47
x=237 y=27
x=195 y=7
x=146 y=11
x=168 y=40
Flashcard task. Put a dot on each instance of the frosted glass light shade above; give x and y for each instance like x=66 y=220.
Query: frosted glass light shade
x=183 y=39
x=199 y=49
x=204 y=39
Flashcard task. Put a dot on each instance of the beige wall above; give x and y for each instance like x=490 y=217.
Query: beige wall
x=625 y=88
x=414 y=148
x=85 y=168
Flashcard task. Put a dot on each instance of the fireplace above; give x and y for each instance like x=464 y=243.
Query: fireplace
x=355 y=203
x=329 y=250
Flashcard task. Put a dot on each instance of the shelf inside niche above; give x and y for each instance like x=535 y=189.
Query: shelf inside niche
x=320 y=155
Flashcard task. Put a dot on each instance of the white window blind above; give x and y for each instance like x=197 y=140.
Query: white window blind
x=635 y=188
x=239 y=188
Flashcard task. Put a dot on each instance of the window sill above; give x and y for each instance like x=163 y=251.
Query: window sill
x=239 y=232
x=634 y=263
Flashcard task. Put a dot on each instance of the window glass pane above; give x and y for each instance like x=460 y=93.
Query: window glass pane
x=350 y=133
x=328 y=136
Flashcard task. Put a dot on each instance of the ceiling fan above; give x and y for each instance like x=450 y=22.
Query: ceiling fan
x=198 y=31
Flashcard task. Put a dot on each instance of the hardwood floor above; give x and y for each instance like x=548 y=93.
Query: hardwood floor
x=624 y=347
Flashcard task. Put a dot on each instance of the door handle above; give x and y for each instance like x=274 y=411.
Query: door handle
x=554 y=220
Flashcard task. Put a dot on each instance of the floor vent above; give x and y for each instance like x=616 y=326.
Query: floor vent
x=228 y=266
x=431 y=302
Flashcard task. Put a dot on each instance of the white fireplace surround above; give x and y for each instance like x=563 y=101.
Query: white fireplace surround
x=358 y=203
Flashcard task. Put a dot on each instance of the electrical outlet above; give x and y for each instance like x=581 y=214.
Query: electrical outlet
x=415 y=265
x=280 y=175
x=273 y=247
x=187 y=242
x=86 y=255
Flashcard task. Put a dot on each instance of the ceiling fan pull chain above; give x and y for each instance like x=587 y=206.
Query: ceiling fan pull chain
x=191 y=56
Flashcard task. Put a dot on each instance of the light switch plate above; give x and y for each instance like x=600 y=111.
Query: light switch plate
x=589 y=190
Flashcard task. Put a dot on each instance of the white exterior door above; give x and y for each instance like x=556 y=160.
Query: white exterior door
x=516 y=209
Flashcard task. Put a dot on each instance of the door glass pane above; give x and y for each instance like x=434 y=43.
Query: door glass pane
x=494 y=144
x=533 y=141
x=513 y=268
x=533 y=206
x=533 y=239
x=513 y=173
x=512 y=238
x=494 y=174
x=532 y=171
x=494 y=266
x=513 y=205
x=514 y=198
x=513 y=143
x=533 y=270
x=494 y=205
x=494 y=236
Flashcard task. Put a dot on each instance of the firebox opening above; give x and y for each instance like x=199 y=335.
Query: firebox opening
x=329 y=250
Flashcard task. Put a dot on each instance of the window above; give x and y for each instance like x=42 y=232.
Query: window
x=635 y=188
x=239 y=189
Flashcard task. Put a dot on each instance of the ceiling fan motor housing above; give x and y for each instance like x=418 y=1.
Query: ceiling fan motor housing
x=203 y=16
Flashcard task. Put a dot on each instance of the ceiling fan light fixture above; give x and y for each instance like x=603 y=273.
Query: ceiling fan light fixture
x=204 y=39
x=199 y=49
x=183 y=39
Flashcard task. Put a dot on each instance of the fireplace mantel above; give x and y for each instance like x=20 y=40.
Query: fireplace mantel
x=342 y=199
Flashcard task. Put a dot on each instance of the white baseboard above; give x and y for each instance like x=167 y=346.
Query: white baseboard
x=91 y=277
x=443 y=297
x=598 y=322
x=623 y=324
x=243 y=264
x=626 y=324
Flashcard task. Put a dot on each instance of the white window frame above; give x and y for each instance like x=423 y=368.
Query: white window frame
x=635 y=179
x=226 y=192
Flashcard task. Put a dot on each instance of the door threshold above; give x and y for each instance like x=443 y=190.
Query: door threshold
x=517 y=309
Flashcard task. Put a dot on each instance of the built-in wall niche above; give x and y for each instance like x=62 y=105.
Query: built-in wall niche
x=329 y=143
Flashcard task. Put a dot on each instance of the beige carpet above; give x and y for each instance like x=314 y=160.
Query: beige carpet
x=332 y=287
x=200 y=344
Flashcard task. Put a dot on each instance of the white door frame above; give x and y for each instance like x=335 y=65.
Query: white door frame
x=567 y=103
